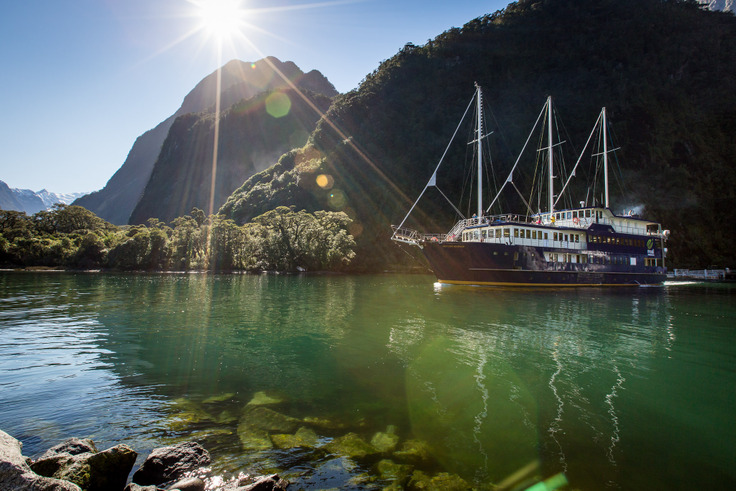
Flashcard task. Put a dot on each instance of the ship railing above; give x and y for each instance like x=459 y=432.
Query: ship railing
x=406 y=235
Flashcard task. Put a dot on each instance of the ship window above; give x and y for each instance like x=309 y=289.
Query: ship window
x=632 y=261
x=545 y=236
x=566 y=238
x=498 y=233
x=569 y=215
x=483 y=234
x=574 y=214
x=506 y=232
x=516 y=256
x=516 y=232
x=528 y=234
x=555 y=236
x=534 y=234
x=577 y=238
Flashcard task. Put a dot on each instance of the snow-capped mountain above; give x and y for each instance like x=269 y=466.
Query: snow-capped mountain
x=30 y=201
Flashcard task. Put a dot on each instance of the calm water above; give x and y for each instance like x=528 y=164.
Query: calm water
x=617 y=389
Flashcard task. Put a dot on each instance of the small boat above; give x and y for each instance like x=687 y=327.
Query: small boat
x=585 y=245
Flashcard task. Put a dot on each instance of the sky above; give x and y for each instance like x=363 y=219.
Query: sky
x=82 y=79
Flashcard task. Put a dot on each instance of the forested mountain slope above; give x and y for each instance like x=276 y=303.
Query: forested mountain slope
x=666 y=71
x=250 y=138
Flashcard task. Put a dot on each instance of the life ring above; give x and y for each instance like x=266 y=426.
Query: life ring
x=576 y=220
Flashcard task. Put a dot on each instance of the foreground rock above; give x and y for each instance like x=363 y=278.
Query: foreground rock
x=79 y=462
x=16 y=474
x=169 y=463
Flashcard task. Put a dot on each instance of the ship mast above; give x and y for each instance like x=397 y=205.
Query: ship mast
x=605 y=157
x=479 y=130
x=550 y=153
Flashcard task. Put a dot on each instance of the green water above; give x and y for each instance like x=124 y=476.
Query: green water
x=614 y=389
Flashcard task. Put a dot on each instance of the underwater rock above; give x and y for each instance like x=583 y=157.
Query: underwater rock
x=168 y=463
x=385 y=442
x=414 y=452
x=219 y=399
x=92 y=471
x=324 y=423
x=304 y=437
x=262 y=398
x=351 y=445
x=269 y=420
x=440 y=482
x=390 y=470
x=253 y=438
x=16 y=474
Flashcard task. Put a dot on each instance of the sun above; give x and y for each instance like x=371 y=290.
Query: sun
x=220 y=18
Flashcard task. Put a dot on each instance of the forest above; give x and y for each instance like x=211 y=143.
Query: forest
x=665 y=71
x=74 y=238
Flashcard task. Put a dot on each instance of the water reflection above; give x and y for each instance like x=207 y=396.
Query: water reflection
x=609 y=388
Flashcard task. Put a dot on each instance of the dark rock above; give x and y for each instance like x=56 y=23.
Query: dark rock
x=169 y=463
x=262 y=483
x=188 y=484
x=92 y=471
x=16 y=474
x=73 y=446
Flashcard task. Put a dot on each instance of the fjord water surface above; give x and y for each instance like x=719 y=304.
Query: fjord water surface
x=623 y=389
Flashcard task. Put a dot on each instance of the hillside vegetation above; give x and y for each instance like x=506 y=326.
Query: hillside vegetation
x=665 y=70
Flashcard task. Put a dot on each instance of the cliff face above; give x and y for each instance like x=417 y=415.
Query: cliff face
x=240 y=80
x=252 y=136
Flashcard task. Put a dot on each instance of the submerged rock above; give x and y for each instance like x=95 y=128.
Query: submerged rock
x=269 y=420
x=169 y=463
x=16 y=474
x=219 y=399
x=390 y=470
x=304 y=437
x=262 y=398
x=414 y=452
x=385 y=442
x=351 y=445
x=253 y=438
x=440 y=482
x=85 y=467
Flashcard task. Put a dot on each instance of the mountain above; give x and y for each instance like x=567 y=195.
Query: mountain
x=725 y=5
x=665 y=70
x=240 y=80
x=30 y=201
x=251 y=138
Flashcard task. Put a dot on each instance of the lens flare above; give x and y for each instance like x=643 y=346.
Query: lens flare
x=220 y=18
x=278 y=104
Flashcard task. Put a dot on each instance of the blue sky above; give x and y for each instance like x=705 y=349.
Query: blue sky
x=81 y=79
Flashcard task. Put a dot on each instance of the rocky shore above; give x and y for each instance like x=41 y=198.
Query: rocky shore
x=77 y=465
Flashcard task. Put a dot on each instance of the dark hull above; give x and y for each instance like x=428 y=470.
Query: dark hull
x=477 y=263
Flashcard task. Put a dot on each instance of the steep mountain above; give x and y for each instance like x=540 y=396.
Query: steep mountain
x=30 y=201
x=19 y=200
x=240 y=80
x=665 y=70
x=252 y=135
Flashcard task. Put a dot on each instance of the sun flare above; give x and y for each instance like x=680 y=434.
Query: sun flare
x=220 y=18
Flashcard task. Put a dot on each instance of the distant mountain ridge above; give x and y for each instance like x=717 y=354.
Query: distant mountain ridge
x=31 y=201
x=240 y=80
